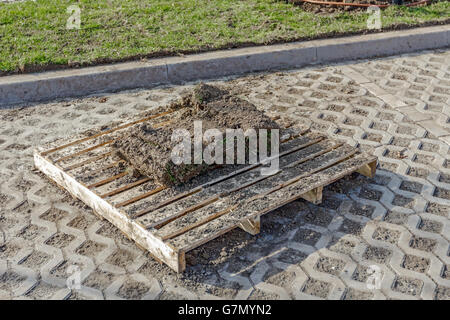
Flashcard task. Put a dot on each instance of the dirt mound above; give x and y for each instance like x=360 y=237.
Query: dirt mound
x=149 y=149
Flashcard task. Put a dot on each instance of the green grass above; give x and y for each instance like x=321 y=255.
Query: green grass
x=33 y=35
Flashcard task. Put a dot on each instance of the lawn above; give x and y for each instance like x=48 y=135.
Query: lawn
x=33 y=34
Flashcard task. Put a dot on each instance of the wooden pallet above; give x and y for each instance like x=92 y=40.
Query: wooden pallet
x=168 y=222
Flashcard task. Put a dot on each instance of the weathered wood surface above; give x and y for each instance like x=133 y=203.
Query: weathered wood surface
x=163 y=251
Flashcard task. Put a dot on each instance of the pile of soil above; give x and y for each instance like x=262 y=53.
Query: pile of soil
x=148 y=149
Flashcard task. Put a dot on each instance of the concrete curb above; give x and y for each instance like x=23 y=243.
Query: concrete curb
x=19 y=89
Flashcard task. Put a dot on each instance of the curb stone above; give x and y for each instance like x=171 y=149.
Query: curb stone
x=20 y=89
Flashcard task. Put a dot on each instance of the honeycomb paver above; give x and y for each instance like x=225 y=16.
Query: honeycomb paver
x=381 y=238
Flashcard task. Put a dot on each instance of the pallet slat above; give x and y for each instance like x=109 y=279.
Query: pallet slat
x=167 y=196
x=99 y=145
x=124 y=188
x=90 y=160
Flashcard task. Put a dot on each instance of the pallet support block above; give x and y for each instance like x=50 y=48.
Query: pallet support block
x=368 y=170
x=314 y=196
x=252 y=225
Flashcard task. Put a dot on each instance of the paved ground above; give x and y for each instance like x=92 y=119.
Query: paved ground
x=385 y=238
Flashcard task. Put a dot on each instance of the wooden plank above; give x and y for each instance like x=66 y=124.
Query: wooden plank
x=44 y=153
x=107 y=180
x=369 y=169
x=197 y=224
x=268 y=201
x=76 y=154
x=78 y=162
x=124 y=188
x=251 y=225
x=159 y=224
x=142 y=196
x=153 y=208
x=170 y=195
x=165 y=252
x=241 y=184
x=97 y=175
x=167 y=202
x=314 y=195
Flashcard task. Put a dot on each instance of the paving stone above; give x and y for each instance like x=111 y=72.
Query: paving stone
x=370 y=222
